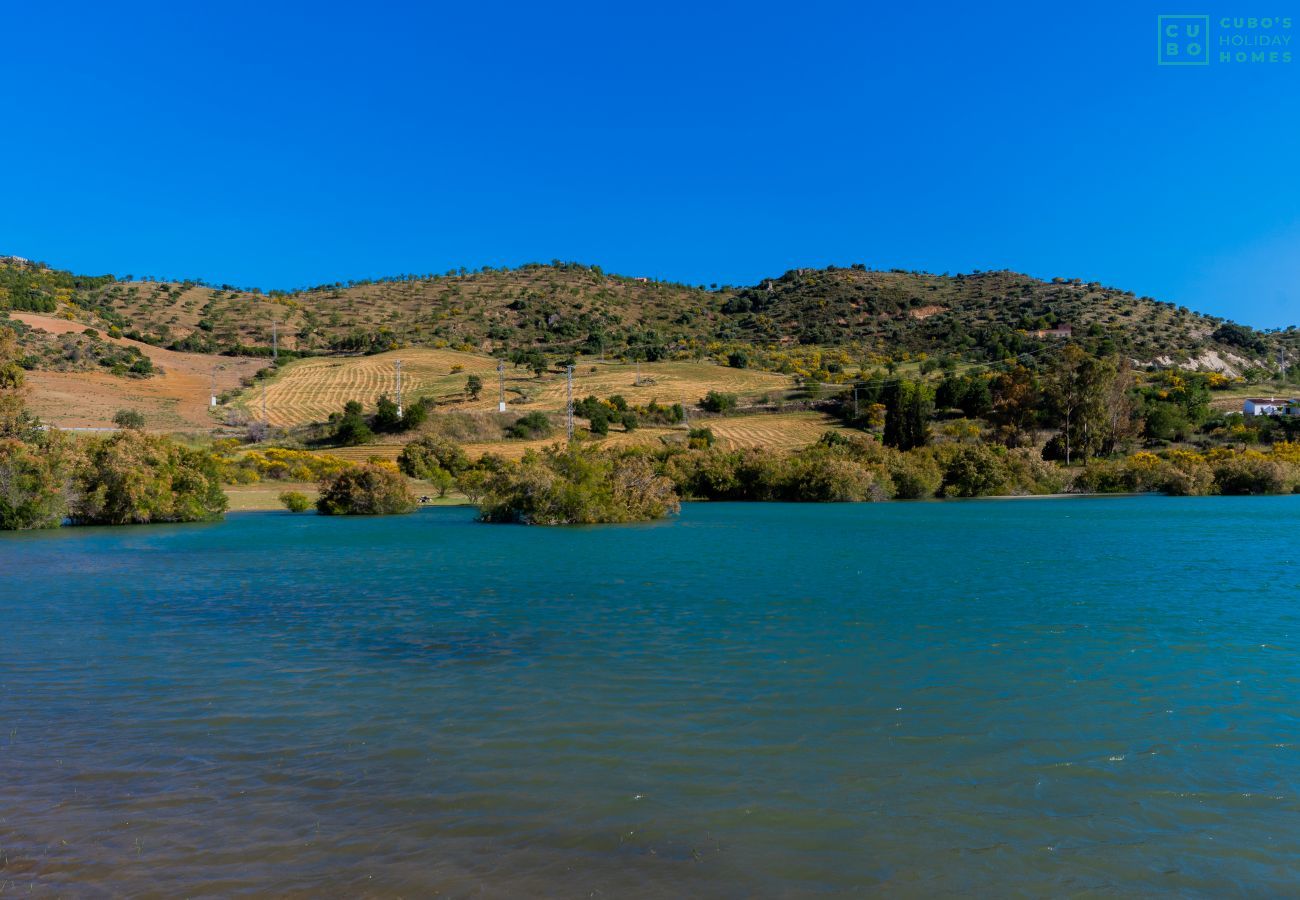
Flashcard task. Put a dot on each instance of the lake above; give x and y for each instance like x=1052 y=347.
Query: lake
x=1030 y=696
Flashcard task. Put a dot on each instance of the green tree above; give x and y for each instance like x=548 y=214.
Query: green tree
x=351 y=428
x=295 y=501
x=135 y=478
x=129 y=418
x=365 y=490
x=577 y=485
x=387 y=417
x=473 y=386
x=908 y=405
x=424 y=457
x=34 y=482
x=1015 y=403
x=1077 y=387
x=718 y=402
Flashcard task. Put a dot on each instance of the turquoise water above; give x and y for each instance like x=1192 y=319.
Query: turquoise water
x=1041 y=696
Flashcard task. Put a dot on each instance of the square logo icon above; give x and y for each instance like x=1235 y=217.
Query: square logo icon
x=1183 y=40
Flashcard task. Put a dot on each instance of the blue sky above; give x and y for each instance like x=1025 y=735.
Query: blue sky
x=282 y=145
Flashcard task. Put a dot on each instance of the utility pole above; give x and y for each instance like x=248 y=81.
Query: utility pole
x=264 y=419
x=569 y=410
x=212 y=397
x=275 y=339
x=501 y=378
x=399 y=388
x=855 y=400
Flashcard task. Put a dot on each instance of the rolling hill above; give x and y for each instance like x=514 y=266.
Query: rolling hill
x=809 y=321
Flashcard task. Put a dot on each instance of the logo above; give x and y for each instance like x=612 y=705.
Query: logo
x=1183 y=40
x=1200 y=40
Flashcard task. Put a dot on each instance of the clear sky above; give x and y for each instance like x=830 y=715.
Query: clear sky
x=283 y=145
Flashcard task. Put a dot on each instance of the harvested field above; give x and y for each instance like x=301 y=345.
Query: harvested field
x=781 y=431
x=309 y=390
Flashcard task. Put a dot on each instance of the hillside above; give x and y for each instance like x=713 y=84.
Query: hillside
x=985 y=315
x=565 y=309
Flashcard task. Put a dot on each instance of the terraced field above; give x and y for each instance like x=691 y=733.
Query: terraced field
x=665 y=382
x=782 y=431
x=309 y=390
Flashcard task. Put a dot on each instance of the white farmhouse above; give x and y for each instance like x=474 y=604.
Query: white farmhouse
x=1270 y=406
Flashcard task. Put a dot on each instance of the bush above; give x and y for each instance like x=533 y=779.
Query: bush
x=135 y=478
x=351 y=429
x=33 y=484
x=973 y=472
x=532 y=426
x=365 y=490
x=426 y=457
x=718 y=402
x=700 y=438
x=295 y=501
x=915 y=476
x=1251 y=474
x=576 y=486
x=129 y=418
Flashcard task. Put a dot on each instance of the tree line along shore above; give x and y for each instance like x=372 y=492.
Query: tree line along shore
x=893 y=446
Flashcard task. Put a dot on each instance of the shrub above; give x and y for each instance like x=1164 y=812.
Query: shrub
x=365 y=490
x=700 y=438
x=33 y=484
x=533 y=425
x=1251 y=474
x=129 y=418
x=295 y=501
x=351 y=429
x=135 y=478
x=973 y=472
x=577 y=486
x=431 y=454
x=826 y=477
x=718 y=402
x=915 y=476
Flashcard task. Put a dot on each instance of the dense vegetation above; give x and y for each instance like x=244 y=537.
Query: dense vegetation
x=366 y=490
x=572 y=486
x=128 y=477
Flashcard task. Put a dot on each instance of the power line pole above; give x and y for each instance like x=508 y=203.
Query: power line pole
x=569 y=410
x=398 y=363
x=855 y=400
x=501 y=378
x=275 y=339
x=264 y=419
x=212 y=397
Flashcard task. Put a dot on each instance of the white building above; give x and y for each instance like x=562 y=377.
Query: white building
x=1270 y=406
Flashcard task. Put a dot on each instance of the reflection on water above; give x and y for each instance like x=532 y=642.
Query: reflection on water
x=1049 y=697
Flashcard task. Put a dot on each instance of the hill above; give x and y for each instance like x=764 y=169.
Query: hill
x=564 y=309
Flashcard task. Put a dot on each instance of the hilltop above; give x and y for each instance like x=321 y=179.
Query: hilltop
x=564 y=309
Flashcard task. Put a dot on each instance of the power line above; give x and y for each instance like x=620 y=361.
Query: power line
x=569 y=410
x=398 y=364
